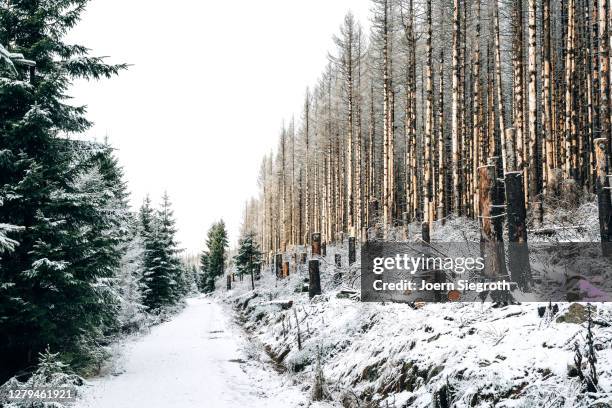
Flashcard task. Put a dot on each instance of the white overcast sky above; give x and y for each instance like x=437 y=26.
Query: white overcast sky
x=210 y=84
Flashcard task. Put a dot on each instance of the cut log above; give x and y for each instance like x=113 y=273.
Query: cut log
x=283 y=304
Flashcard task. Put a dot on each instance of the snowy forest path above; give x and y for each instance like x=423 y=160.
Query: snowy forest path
x=198 y=359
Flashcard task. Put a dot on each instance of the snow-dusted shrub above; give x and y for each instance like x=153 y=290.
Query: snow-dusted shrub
x=51 y=373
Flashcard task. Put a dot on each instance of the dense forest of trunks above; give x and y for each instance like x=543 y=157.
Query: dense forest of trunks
x=401 y=120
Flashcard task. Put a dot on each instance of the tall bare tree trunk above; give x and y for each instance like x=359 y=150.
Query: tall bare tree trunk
x=427 y=185
x=476 y=109
x=456 y=142
x=307 y=218
x=387 y=132
x=517 y=62
x=442 y=173
x=604 y=68
x=569 y=132
x=506 y=153
x=533 y=110
x=548 y=124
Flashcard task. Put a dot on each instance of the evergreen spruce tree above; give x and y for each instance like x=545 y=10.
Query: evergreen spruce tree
x=131 y=313
x=215 y=256
x=248 y=260
x=56 y=260
x=162 y=283
x=203 y=278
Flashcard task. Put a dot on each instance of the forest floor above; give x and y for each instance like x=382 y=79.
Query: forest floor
x=391 y=355
x=198 y=359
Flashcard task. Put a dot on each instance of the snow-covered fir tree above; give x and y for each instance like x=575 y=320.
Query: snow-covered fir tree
x=57 y=257
x=248 y=260
x=163 y=282
x=213 y=259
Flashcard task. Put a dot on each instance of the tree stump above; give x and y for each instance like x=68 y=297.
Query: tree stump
x=518 y=250
x=278 y=265
x=316 y=244
x=351 y=250
x=489 y=241
x=314 y=278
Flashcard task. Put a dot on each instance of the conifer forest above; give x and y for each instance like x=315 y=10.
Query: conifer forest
x=484 y=124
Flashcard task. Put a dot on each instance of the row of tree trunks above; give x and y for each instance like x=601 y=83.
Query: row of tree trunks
x=539 y=118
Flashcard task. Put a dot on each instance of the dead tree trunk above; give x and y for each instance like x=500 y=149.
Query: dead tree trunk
x=517 y=61
x=518 y=251
x=547 y=125
x=428 y=165
x=499 y=90
x=456 y=142
x=442 y=157
x=477 y=139
x=602 y=183
x=491 y=244
x=533 y=172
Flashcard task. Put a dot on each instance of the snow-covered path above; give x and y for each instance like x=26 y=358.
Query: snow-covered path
x=194 y=360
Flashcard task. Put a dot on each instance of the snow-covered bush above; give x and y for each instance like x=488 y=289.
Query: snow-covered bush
x=51 y=373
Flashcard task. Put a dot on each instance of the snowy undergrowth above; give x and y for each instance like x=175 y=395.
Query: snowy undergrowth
x=441 y=355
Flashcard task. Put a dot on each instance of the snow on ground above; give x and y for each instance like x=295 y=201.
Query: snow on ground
x=198 y=359
x=475 y=354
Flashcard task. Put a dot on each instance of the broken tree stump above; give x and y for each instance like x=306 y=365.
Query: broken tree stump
x=314 y=278
x=602 y=187
x=316 y=244
x=351 y=250
x=516 y=214
x=285 y=269
x=229 y=282
x=278 y=264
x=490 y=247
